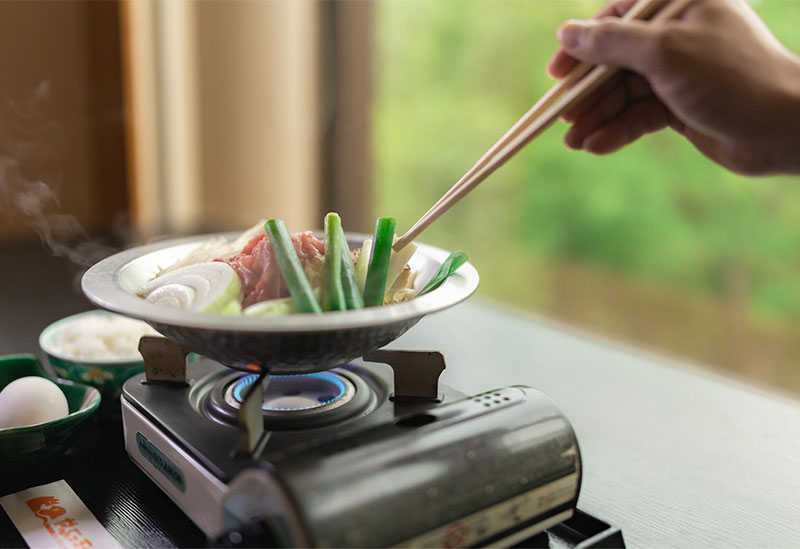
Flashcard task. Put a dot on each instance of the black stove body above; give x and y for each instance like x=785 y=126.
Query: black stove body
x=361 y=455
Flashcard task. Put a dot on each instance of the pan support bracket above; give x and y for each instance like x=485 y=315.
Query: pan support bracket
x=253 y=437
x=416 y=373
x=164 y=360
x=165 y=363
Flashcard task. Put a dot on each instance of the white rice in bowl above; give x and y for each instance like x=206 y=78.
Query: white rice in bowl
x=101 y=336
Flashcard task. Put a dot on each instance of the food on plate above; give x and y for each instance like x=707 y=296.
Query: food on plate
x=100 y=336
x=378 y=270
x=353 y=294
x=271 y=272
x=289 y=270
x=333 y=292
x=206 y=287
x=216 y=248
x=448 y=267
x=31 y=400
x=260 y=274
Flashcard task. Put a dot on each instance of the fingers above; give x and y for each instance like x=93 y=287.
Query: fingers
x=639 y=118
x=589 y=101
x=630 y=88
x=631 y=44
x=562 y=62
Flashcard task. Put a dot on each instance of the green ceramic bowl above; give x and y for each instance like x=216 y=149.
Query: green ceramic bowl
x=107 y=374
x=37 y=444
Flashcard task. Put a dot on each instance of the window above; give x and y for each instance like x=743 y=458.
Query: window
x=654 y=244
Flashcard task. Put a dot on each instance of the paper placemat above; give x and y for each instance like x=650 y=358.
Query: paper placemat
x=52 y=515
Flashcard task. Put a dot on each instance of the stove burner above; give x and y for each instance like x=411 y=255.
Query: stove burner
x=296 y=394
x=290 y=402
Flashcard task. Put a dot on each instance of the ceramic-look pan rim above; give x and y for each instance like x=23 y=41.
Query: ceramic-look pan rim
x=101 y=284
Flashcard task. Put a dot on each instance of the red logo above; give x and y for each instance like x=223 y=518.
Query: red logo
x=65 y=532
x=455 y=535
x=46 y=508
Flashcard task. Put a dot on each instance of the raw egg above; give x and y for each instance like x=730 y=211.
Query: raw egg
x=31 y=400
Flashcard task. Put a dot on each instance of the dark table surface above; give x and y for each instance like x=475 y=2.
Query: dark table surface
x=130 y=506
x=673 y=454
x=37 y=291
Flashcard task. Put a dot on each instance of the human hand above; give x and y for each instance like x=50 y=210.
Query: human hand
x=717 y=76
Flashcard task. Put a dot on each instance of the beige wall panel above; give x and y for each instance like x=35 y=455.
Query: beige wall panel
x=347 y=167
x=59 y=123
x=140 y=83
x=258 y=118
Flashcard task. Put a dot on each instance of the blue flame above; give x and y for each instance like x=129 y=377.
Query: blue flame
x=246 y=381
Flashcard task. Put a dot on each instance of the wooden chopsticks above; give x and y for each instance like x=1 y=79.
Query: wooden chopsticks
x=564 y=95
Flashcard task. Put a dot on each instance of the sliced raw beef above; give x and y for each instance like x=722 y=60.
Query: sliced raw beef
x=259 y=271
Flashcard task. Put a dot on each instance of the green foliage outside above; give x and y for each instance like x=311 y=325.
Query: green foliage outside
x=453 y=75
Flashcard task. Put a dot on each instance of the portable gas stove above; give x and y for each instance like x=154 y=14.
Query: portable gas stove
x=372 y=453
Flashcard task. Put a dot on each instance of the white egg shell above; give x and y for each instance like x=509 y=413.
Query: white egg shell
x=31 y=400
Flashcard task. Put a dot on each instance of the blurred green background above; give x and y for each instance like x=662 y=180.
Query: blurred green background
x=654 y=244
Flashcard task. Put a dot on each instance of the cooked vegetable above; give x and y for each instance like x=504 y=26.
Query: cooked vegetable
x=274 y=273
x=398 y=262
x=290 y=267
x=398 y=295
x=276 y=307
x=375 y=286
x=448 y=267
x=212 y=287
x=333 y=296
x=362 y=265
x=233 y=308
x=352 y=291
x=214 y=249
x=271 y=307
x=404 y=280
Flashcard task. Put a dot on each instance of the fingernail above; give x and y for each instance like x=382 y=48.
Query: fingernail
x=570 y=35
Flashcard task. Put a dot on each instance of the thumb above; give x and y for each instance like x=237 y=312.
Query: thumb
x=630 y=44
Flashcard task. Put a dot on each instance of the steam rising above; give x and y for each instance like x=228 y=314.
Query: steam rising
x=30 y=202
x=28 y=140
